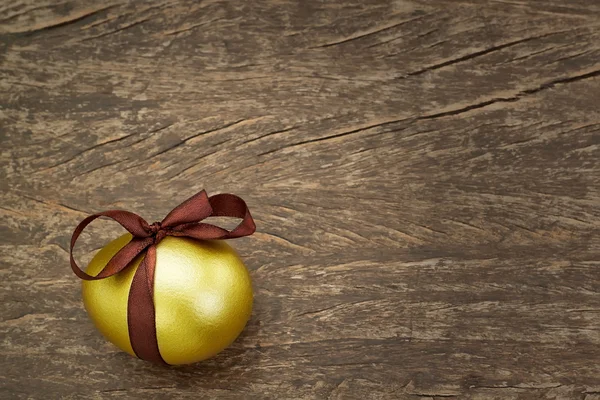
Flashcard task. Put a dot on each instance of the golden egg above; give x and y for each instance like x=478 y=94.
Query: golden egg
x=202 y=297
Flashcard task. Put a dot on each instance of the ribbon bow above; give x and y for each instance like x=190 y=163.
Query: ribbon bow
x=183 y=220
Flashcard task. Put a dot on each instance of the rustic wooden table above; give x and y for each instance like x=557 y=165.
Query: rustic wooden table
x=424 y=176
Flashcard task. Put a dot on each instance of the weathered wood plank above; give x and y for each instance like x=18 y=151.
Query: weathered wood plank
x=424 y=176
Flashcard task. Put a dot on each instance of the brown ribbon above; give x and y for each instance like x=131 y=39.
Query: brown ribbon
x=183 y=220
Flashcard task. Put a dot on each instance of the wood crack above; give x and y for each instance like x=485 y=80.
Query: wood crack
x=511 y=99
x=24 y=315
x=116 y=17
x=162 y=128
x=338 y=135
x=97 y=168
x=59 y=246
x=54 y=205
x=519 y=387
x=131 y=25
x=269 y=134
x=103 y=21
x=529 y=55
x=292 y=244
x=570 y=56
x=189 y=28
x=193 y=165
x=26 y=11
x=69 y=20
x=13 y=211
x=85 y=151
x=214 y=130
x=562 y=81
x=466 y=224
x=480 y=53
x=424 y=227
x=518 y=142
x=471 y=107
x=182 y=142
x=369 y=33
x=319 y=311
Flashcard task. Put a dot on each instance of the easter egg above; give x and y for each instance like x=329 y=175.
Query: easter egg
x=202 y=297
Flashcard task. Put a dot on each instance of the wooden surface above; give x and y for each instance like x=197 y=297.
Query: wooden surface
x=424 y=176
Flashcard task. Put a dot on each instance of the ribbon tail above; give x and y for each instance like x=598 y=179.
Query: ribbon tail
x=141 y=314
x=124 y=257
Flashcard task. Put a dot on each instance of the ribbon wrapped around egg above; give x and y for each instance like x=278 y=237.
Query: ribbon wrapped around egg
x=186 y=310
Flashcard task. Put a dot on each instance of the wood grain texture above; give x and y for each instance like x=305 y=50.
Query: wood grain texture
x=424 y=176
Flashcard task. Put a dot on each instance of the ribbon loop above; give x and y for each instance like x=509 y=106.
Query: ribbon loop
x=194 y=209
x=184 y=221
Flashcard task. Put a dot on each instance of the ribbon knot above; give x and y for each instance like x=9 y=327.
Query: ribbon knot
x=158 y=232
x=155 y=227
x=185 y=221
